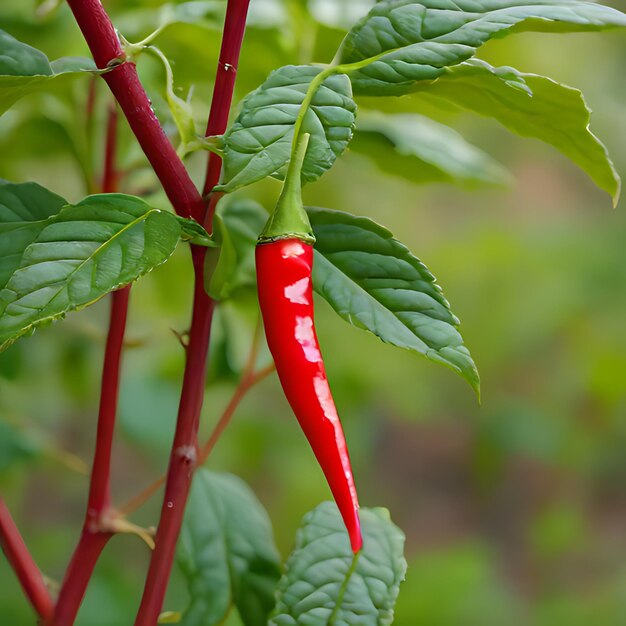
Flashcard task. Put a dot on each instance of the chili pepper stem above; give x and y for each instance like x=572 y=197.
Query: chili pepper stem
x=289 y=218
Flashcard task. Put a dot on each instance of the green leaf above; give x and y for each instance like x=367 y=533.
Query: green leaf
x=375 y=283
x=421 y=150
x=237 y=226
x=226 y=552
x=413 y=41
x=555 y=113
x=20 y=59
x=195 y=233
x=68 y=65
x=79 y=255
x=24 y=70
x=27 y=202
x=24 y=207
x=258 y=144
x=324 y=583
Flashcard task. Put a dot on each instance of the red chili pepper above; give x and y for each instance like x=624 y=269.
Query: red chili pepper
x=284 y=259
x=286 y=300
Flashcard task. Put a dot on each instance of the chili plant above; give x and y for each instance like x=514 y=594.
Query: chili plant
x=59 y=256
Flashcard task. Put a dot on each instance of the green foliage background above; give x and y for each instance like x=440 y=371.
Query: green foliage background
x=514 y=512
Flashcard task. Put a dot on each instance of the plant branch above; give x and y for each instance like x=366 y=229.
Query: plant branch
x=100 y=489
x=234 y=29
x=124 y=83
x=78 y=574
x=97 y=528
x=133 y=100
x=23 y=564
x=183 y=457
x=184 y=454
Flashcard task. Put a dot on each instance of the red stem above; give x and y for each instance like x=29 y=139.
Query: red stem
x=234 y=28
x=183 y=458
x=124 y=83
x=23 y=564
x=77 y=576
x=100 y=490
x=133 y=100
x=96 y=534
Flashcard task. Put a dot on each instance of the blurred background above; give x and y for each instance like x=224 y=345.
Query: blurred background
x=515 y=512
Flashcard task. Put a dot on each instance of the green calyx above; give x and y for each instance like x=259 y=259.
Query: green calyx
x=289 y=219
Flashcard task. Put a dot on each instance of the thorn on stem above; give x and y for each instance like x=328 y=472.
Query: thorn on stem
x=183 y=338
